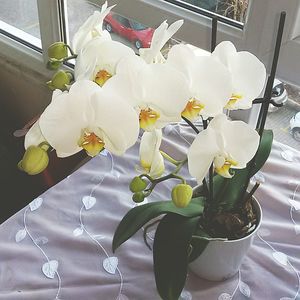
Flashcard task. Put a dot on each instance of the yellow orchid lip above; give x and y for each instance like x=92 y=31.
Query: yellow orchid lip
x=233 y=100
x=224 y=170
x=91 y=143
x=101 y=77
x=192 y=109
x=148 y=118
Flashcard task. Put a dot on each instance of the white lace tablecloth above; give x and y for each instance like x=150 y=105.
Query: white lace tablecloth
x=59 y=246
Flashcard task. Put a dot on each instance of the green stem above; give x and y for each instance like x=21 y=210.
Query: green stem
x=70 y=57
x=169 y=158
x=71 y=51
x=190 y=124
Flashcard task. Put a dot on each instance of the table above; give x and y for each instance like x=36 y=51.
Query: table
x=59 y=246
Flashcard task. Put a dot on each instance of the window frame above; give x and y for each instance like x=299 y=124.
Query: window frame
x=257 y=36
x=20 y=48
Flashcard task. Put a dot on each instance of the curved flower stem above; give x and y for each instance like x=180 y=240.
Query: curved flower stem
x=70 y=57
x=169 y=158
x=190 y=124
x=70 y=49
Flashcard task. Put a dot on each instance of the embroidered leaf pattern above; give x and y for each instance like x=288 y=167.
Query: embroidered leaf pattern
x=280 y=258
x=88 y=202
x=224 y=296
x=110 y=264
x=36 y=203
x=50 y=268
x=245 y=289
x=20 y=235
x=78 y=231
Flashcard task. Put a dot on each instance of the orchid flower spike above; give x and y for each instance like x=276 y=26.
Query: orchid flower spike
x=91 y=28
x=160 y=37
x=209 y=82
x=156 y=91
x=87 y=117
x=98 y=60
x=151 y=160
x=248 y=75
x=226 y=144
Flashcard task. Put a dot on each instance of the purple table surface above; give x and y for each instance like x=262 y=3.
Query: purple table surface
x=59 y=246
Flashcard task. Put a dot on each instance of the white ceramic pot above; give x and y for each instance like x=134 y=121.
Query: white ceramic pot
x=222 y=259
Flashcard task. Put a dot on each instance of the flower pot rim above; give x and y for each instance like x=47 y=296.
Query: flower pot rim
x=260 y=214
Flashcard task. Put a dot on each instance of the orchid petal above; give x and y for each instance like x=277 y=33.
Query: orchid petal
x=247 y=71
x=224 y=52
x=64 y=119
x=151 y=159
x=201 y=153
x=100 y=55
x=164 y=90
x=181 y=57
x=92 y=26
x=160 y=37
x=116 y=120
x=34 y=136
x=242 y=142
x=248 y=76
x=210 y=84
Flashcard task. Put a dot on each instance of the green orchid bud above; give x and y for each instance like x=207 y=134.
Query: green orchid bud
x=58 y=50
x=137 y=184
x=60 y=80
x=138 y=197
x=35 y=160
x=54 y=64
x=182 y=195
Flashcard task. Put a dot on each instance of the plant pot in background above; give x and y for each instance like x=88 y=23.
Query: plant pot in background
x=222 y=259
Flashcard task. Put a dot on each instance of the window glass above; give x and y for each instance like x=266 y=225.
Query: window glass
x=232 y=9
x=122 y=29
x=20 y=14
x=285 y=120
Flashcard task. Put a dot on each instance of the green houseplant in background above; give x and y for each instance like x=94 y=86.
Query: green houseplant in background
x=116 y=93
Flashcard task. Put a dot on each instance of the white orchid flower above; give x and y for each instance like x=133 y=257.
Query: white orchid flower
x=34 y=136
x=151 y=160
x=226 y=144
x=98 y=60
x=156 y=91
x=91 y=28
x=160 y=37
x=247 y=71
x=88 y=117
x=209 y=82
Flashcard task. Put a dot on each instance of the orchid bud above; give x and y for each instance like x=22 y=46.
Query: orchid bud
x=60 y=80
x=58 y=51
x=182 y=195
x=138 y=197
x=137 y=184
x=35 y=160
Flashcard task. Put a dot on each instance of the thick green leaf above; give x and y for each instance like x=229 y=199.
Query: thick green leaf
x=236 y=186
x=170 y=254
x=263 y=151
x=199 y=242
x=140 y=215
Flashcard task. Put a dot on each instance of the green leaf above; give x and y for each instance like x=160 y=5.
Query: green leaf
x=199 y=242
x=140 y=215
x=263 y=151
x=170 y=254
x=236 y=187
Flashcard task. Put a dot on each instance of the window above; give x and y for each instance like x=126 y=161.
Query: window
x=20 y=19
x=250 y=24
x=126 y=30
